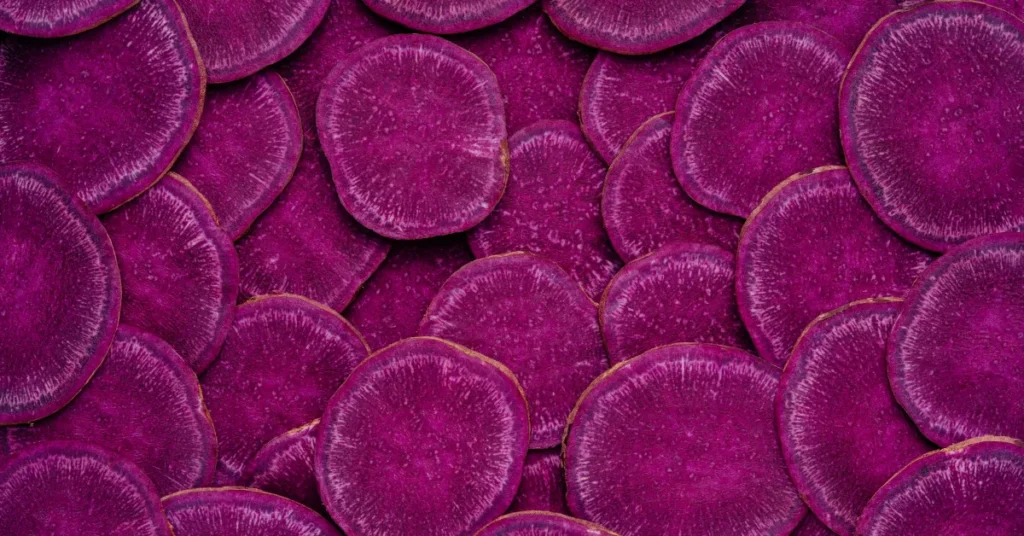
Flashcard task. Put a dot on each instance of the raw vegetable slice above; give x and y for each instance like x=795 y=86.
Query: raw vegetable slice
x=812 y=246
x=392 y=303
x=553 y=205
x=682 y=436
x=245 y=150
x=179 y=269
x=539 y=70
x=447 y=16
x=543 y=484
x=109 y=119
x=641 y=27
x=422 y=158
x=643 y=206
x=67 y=487
x=954 y=358
x=241 y=512
x=810 y=526
x=525 y=312
x=58 y=18
x=941 y=75
x=237 y=38
x=680 y=293
x=284 y=358
x=541 y=524
x=284 y=466
x=770 y=88
x=58 y=264
x=842 y=432
x=144 y=405
x=848 y=23
x=973 y=488
x=425 y=437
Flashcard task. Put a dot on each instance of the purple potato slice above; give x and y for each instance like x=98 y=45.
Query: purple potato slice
x=542 y=487
x=58 y=18
x=447 y=16
x=847 y=22
x=284 y=466
x=241 y=512
x=810 y=526
x=541 y=524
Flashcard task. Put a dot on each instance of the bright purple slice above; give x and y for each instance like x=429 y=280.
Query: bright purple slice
x=241 y=512
x=58 y=18
x=543 y=484
x=541 y=524
x=447 y=16
x=284 y=466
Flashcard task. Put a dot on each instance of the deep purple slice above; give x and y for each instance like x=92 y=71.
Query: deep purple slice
x=955 y=362
x=643 y=206
x=525 y=312
x=57 y=264
x=109 y=119
x=682 y=436
x=67 y=487
x=144 y=405
x=543 y=484
x=241 y=512
x=283 y=359
x=284 y=466
x=57 y=18
x=237 y=38
x=553 y=205
x=847 y=22
x=447 y=16
x=541 y=524
x=245 y=150
x=179 y=269
x=842 y=432
x=425 y=437
x=811 y=526
x=812 y=246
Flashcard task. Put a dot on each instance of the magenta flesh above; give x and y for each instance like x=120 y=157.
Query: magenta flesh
x=643 y=206
x=541 y=524
x=447 y=16
x=109 y=119
x=385 y=469
x=810 y=526
x=284 y=466
x=812 y=246
x=241 y=512
x=542 y=487
x=58 y=18
x=525 y=312
x=847 y=22
x=58 y=265
x=553 y=205
x=682 y=436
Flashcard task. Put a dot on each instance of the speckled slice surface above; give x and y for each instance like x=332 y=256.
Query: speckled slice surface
x=284 y=466
x=241 y=512
x=58 y=18
x=541 y=524
x=447 y=16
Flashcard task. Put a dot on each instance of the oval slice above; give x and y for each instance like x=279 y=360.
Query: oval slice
x=241 y=512
x=682 y=436
x=842 y=433
x=58 y=18
x=553 y=205
x=960 y=332
x=974 y=488
x=639 y=27
x=543 y=485
x=57 y=263
x=525 y=312
x=812 y=246
x=284 y=466
x=179 y=268
x=144 y=405
x=447 y=16
x=681 y=293
x=237 y=38
x=942 y=75
x=67 y=487
x=109 y=119
x=425 y=437
x=245 y=149
x=391 y=304
x=283 y=359
x=769 y=88
x=643 y=206
x=418 y=159
x=541 y=524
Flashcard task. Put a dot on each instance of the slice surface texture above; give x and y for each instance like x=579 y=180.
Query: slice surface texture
x=541 y=524
x=58 y=18
x=848 y=23
x=284 y=466
x=241 y=512
x=811 y=526
x=543 y=485
x=447 y=16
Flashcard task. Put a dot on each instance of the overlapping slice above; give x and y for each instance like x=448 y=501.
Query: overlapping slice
x=553 y=205
x=954 y=359
x=284 y=358
x=179 y=269
x=928 y=124
x=57 y=264
x=237 y=38
x=447 y=16
x=144 y=405
x=241 y=512
x=680 y=293
x=245 y=150
x=769 y=88
x=812 y=246
x=973 y=488
x=543 y=484
x=525 y=312
x=425 y=437
x=541 y=524
x=842 y=433
x=58 y=18
x=811 y=526
x=414 y=129
x=643 y=206
x=109 y=119
x=284 y=466
x=67 y=487
x=682 y=436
